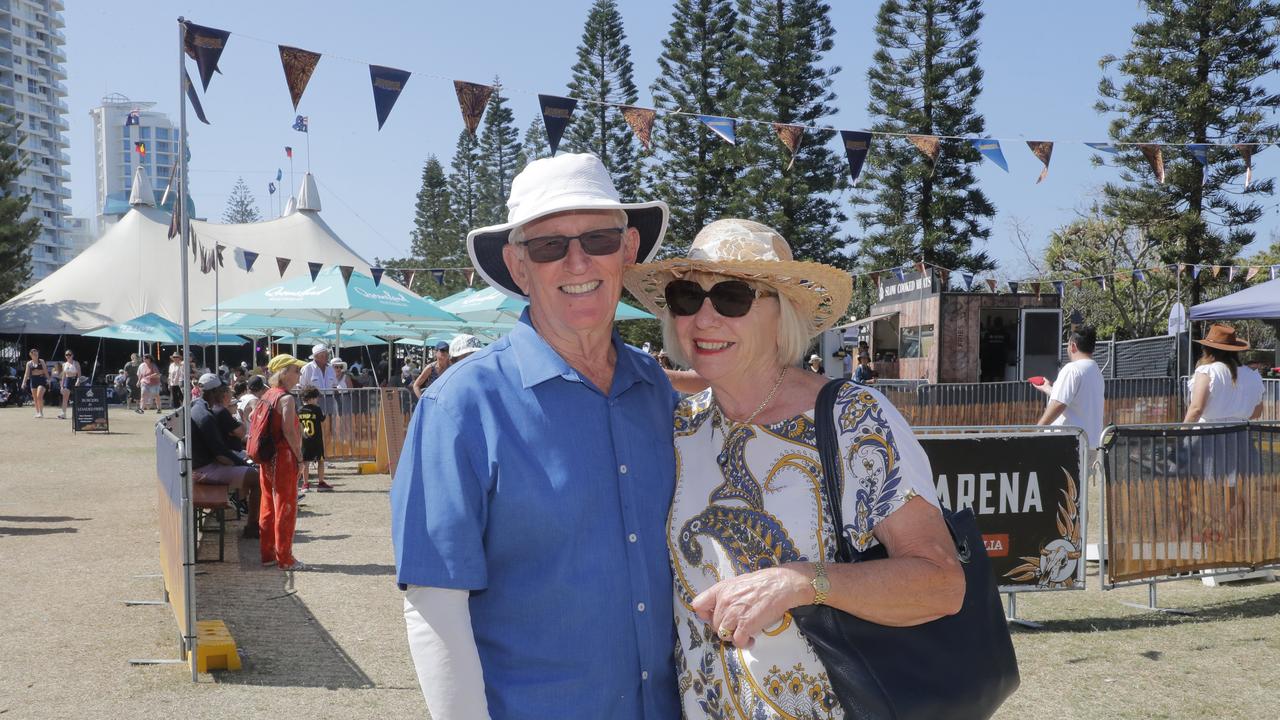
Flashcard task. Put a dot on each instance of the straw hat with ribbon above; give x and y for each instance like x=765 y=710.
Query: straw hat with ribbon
x=756 y=253
x=1223 y=337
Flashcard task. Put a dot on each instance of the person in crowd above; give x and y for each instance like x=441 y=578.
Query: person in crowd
x=239 y=389
x=35 y=377
x=175 y=380
x=254 y=389
x=212 y=460
x=407 y=372
x=342 y=381
x=382 y=371
x=311 y=417
x=461 y=346
x=664 y=360
x=863 y=373
x=149 y=381
x=279 y=477
x=518 y=465
x=1076 y=397
x=131 y=377
x=341 y=398
x=224 y=372
x=815 y=365
x=747 y=535
x=70 y=376
x=432 y=372
x=319 y=372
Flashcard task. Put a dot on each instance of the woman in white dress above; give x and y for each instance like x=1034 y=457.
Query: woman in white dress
x=748 y=535
x=70 y=376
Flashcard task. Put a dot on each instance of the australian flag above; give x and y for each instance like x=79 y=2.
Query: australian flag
x=134 y=118
x=300 y=124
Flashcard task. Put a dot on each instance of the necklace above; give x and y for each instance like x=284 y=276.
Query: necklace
x=767 y=399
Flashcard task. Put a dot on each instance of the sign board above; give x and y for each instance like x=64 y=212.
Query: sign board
x=913 y=286
x=89 y=408
x=1026 y=491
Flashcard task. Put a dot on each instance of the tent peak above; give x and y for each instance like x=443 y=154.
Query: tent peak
x=142 y=193
x=309 y=195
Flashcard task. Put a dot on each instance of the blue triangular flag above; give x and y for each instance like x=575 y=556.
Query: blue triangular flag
x=191 y=95
x=990 y=149
x=376 y=274
x=1138 y=276
x=968 y=281
x=438 y=276
x=249 y=258
x=722 y=126
x=1013 y=288
x=279 y=174
x=857 y=144
x=898 y=272
x=1195 y=271
x=1059 y=286
x=388 y=83
x=1199 y=151
x=556 y=114
x=1104 y=147
x=315 y=269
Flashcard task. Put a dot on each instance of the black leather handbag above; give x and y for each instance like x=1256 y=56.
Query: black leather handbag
x=959 y=667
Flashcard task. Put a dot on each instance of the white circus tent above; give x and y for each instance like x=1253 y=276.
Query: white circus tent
x=135 y=268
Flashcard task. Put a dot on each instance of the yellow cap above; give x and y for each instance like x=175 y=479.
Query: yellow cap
x=282 y=361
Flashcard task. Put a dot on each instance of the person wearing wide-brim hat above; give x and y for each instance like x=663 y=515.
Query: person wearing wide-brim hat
x=748 y=503
x=529 y=504
x=1222 y=390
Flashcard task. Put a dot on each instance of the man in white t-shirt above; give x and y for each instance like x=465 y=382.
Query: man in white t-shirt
x=318 y=373
x=1076 y=397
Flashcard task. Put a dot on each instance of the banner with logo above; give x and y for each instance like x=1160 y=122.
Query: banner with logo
x=1027 y=492
x=388 y=83
x=556 y=113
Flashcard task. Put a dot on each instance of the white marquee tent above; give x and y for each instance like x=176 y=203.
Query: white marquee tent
x=134 y=268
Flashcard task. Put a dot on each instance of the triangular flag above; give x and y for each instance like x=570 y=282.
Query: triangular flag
x=1104 y=147
x=641 y=122
x=791 y=136
x=376 y=274
x=990 y=149
x=472 y=99
x=1217 y=270
x=1102 y=281
x=875 y=278
x=470 y=274
x=991 y=283
x=438 y=276
x=204 y=45
x=1138 y=276
x=1253 y=272
x=388 y=83
x=1155 y=156
x=723 y=126
x=1077 y=283
x=556 y=114
x=192 y=97
x=1231 y=273
x=1199 y=151
x=856 y=146
x=409 y=276
x=1043 y=150
x=1246 y=152
x=943 y=277
x=1036 y=287
x=968 y=281
x=346 y=271
x=1059 y=287
x=1182 y=267
x=314 y=267
x=899 y=274
x=250 y=258
x=927 y=144
x=1273 y=270
x=298 y=66
x=1195 y=271
x=1013 y=288
x=218 y=248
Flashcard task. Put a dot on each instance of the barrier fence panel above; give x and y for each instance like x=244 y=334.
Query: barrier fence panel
x=1190 y=498
x=351 y=421
x=994 y=403
x=177 y=534
x=1143 y=400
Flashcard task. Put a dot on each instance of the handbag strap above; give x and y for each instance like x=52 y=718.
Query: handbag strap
x=824 y=429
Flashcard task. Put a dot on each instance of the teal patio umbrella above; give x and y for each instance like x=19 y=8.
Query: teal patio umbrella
x=489 y=305
x=150 y=327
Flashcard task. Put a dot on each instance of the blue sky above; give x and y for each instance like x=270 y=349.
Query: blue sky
x=1040 y=60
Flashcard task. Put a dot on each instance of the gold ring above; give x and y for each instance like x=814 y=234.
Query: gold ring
x=724 y=633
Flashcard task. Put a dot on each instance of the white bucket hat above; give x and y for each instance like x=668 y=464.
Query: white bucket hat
x=464 y=344
x=553 y=185
x=319 y=348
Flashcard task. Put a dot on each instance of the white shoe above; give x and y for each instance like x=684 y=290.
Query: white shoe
x=39 y=415
x=62 y=416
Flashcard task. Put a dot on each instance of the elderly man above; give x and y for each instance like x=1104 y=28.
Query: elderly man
x=319 y=373
x=529 y=505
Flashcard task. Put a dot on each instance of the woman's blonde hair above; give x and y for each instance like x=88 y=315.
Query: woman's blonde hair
x=794 y=334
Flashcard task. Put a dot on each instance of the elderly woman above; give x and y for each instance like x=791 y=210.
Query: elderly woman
x=279 y=476
x=747 y=531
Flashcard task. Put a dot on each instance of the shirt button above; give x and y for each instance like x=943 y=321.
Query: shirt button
x=622 y=469
x=632 y=537
x=640 y=607
x=644 y=675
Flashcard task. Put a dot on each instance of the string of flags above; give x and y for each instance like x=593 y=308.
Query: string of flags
x=205 y=46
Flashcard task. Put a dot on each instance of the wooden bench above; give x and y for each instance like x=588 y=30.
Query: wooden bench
x=209 y=500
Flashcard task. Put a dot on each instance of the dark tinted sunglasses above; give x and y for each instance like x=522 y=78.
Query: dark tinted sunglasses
x=730 y=298
x=554 y=247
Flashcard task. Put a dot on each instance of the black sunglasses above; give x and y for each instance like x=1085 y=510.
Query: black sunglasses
x=730 y=298
x=551 y=248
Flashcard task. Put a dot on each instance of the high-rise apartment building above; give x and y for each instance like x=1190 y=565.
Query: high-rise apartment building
x=31 y=91
x=119 y=147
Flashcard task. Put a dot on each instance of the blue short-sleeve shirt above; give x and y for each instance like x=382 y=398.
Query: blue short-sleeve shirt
x=547 y=499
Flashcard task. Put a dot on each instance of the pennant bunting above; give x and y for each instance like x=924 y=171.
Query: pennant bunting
x=298 y=66
x=1231 y=273
x=409 y=277
x=470 y=275
x=641 y=122
x=1199 y=151
x=376 y=274
x=875 y=278
x=204 y=45
x=472 y=98
x=1273 y=269
x=1195 y=272
x=927 y=144
x=1138 y=276
x=968 y=281
x=133 y=118
x=726 y=128
x=791 y=136
x=1102 y=281
x=991 y=283
x=218 y=248
x=1155 y=157
x=1043 y=150
x=1077 y=283
x=1182 y=267
x=193 y=98
x=1217 y=270
x=282 y=264
x=1246 y=153
x=1013 y=288
x=175 y=221
x=899 y=274
x=438 y=276
x=556 y=114
x=1036 y=286
x=1104 y=147
x=250 y=258
x=314 y=267
x=990 y=149
x=1059 y=287
x=388 y=83
x=300 y=123
x=943 y=277
x=920 y=266
x=1253 y=273
x=856 y=146
x=346 y=271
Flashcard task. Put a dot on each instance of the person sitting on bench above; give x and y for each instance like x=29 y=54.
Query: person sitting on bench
x=214 y=463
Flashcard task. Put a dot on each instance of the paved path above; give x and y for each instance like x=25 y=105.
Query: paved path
x=78 y=537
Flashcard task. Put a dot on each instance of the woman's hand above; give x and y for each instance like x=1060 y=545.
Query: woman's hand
x=745 y=605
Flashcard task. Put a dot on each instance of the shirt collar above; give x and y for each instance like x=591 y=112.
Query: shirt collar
x=539 y=362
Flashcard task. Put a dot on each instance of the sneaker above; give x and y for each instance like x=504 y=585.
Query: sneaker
x=301 y=495
x=62 y=416
x=297 y=566
x=306 y=486
x=38 y=415
x=322 y=486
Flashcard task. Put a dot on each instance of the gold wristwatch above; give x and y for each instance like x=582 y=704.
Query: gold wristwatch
x=821 y=585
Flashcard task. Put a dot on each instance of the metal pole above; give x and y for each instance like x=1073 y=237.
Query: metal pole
x=184 y=456
x=217 y=336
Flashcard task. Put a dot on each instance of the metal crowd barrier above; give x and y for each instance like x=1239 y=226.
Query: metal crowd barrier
x=177 y=535
x=351 y=421
x=1182 y=499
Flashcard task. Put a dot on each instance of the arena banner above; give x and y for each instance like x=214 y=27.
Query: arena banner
x=1027 y=492
x=89 y=408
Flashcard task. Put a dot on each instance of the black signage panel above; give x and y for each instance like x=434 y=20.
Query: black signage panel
x=89 y=408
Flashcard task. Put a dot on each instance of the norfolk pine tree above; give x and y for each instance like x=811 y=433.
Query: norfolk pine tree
x=784 y=79
x=925 y=80
x=464 y=184
x=534 y=146
x=241 y=206
x=1193 y=75
x=694 y=170
x=499 y=157
x=17 y=235
x=602 y=74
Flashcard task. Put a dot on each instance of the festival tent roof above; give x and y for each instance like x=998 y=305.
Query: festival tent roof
x=153 y=328
x=1260 y=302
x=135 y=269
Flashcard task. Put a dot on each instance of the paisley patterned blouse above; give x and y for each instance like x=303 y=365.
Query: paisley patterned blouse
x=749 y=497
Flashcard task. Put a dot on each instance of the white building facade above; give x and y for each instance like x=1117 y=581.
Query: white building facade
x=115 y=152
x=32 y=89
